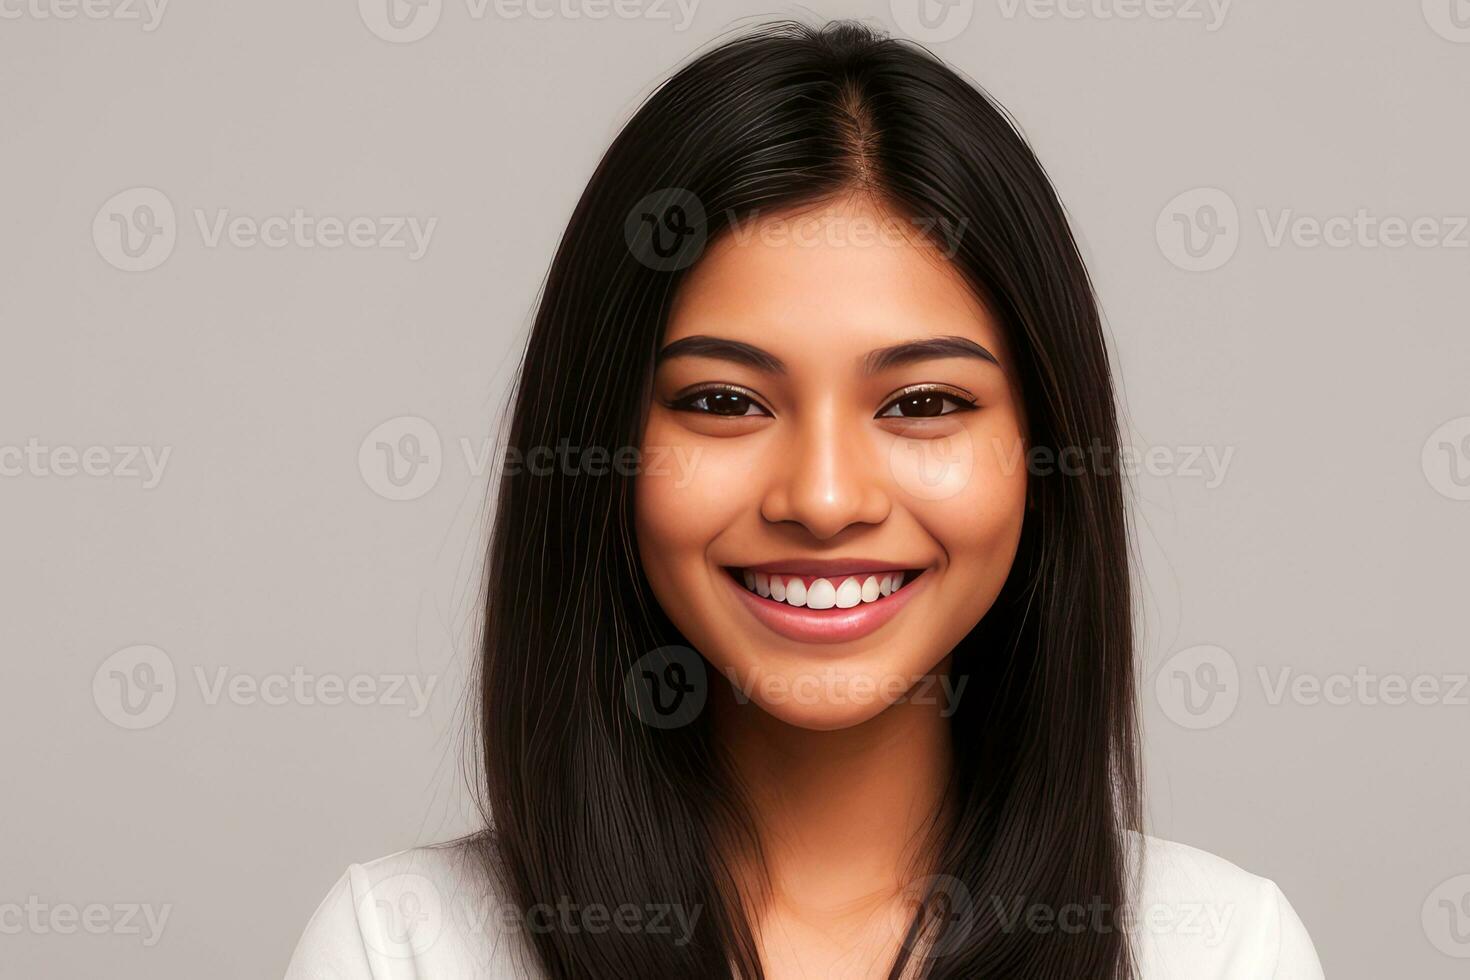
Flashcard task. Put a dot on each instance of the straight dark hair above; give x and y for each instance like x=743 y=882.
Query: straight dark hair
x=585 y=804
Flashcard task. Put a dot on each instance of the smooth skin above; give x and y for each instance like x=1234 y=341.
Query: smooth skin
x=866 y=426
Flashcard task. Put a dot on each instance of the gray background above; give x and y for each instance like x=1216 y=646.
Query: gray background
x=1334 y=544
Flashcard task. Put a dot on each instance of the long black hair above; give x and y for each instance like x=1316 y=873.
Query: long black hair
x=586 y=805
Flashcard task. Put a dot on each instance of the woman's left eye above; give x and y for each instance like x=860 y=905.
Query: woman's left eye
x=926 y=403
x=726 y=402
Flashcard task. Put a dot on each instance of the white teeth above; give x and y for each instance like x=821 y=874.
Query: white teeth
x=821 y=595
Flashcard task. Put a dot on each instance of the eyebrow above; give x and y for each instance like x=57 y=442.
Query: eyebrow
x=925 y=350
x=738 y=352
x=721 y=349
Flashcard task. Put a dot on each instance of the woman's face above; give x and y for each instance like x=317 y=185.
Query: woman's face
x=834 y=481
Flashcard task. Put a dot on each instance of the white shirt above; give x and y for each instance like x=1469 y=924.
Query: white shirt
x=428 y=914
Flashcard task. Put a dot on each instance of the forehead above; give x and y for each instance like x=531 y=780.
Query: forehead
x=833 y=280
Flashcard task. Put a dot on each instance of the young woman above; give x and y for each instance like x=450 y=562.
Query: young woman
x=808 y=649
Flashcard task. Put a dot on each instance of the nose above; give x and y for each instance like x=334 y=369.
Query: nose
x=827 y=476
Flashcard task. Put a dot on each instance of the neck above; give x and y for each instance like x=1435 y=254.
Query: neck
x=843 y=816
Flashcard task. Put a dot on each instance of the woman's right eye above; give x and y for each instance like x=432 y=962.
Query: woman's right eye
x=725 y=402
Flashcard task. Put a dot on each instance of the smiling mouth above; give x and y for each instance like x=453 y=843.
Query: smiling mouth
x=824 y=592
x=825 y=602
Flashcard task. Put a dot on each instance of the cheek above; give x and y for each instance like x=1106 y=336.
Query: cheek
x=688 y=491
x=978 y=515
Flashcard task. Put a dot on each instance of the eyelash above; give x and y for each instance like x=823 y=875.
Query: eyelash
x=689 y=402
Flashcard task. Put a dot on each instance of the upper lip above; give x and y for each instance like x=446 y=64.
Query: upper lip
x=827 y=567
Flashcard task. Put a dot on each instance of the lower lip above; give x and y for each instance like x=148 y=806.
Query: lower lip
x=826 y=625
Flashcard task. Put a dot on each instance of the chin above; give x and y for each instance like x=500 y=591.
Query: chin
x=822 y=697
x=826 y=717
